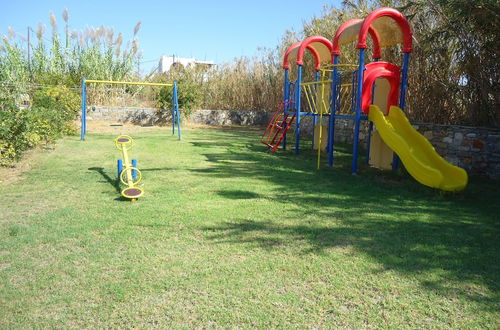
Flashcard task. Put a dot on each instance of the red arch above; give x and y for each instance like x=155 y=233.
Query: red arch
x=305 y=44
x=375 y=70
x=286 y=64
x=375 y=37
x=397 y=17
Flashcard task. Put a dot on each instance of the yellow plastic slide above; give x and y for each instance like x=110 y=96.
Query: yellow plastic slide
x=416 y=152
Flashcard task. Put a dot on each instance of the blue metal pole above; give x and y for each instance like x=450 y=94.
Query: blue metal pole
x=358 y=111
x=119 y=167
x=286 y=92
x=134 y=172
x=84 y=110
x=333 y=108
x=173 y=116
x=297 y=108
x=404 y=80
x=176 y=108
x=402 y=98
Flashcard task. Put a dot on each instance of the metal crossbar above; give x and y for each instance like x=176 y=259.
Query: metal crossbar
x=127 y=83
x=175 y=102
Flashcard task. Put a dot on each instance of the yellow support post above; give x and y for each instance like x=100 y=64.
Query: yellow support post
x=320 y=125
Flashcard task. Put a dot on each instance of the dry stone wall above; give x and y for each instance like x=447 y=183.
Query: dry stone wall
x=473 y=148
x=140 y=116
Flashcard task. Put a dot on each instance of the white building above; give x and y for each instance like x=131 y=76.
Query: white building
x=166 y=63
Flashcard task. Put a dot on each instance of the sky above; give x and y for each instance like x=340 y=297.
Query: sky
x=207 y=30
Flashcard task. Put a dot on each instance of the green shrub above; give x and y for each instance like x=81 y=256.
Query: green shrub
x=14 y=136
x=61 y=105
x=52 y=114
x=189 y=96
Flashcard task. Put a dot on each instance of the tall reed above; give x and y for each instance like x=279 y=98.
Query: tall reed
x=454 y=69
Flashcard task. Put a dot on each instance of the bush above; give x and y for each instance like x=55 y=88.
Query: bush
x=16 y=132
x=188 y=93
x=51 y=115
x=61 y=105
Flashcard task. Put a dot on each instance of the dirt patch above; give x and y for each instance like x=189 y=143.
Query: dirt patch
x=119 y=128
x=14 y=172
x=129 y=129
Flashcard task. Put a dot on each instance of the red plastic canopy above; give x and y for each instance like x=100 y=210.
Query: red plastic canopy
x=391 y=13
x=286 y=63
x=374 y=35
x=314 y=42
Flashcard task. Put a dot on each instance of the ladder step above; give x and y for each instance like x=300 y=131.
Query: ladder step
x=276 y=129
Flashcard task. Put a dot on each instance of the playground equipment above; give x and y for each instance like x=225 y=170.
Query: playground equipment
x=376 y=92
x=317 y=92
x=416 y=152
x=128 y=173
x=176 y=118
x=329 y=84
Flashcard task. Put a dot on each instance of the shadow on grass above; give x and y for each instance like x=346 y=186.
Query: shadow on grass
x=238 y=194
x=438 y=238
x=436 y=254
x=113 y=182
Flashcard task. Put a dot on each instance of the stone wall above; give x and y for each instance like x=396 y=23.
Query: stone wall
x=139 y=116
x=230 y=117
x=153 y=116
x=344 y=129
x=475 y=149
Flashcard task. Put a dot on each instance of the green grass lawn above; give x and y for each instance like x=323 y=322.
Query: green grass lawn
x=229 y=235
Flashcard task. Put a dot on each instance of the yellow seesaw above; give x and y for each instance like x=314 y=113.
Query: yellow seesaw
x=129 y=175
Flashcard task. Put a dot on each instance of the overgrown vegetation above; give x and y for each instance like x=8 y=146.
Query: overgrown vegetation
x=455 y=78
x=454 y=71
x=244 y=84
x=50 y=116
x=39 y=94
x=189 y=90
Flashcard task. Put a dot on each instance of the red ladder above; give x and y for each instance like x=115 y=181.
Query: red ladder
x=277 y=128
